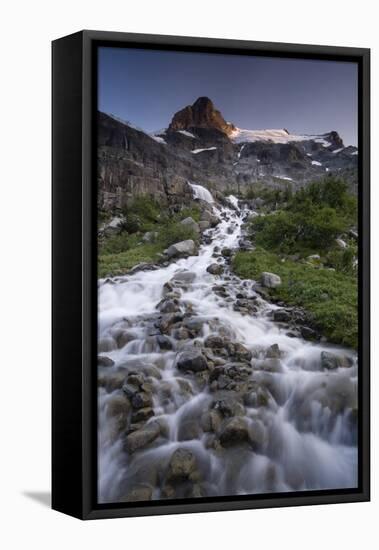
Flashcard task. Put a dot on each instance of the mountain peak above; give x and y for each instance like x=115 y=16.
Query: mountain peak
x=201 y=114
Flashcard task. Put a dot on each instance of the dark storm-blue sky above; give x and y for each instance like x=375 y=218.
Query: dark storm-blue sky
x=147 y=87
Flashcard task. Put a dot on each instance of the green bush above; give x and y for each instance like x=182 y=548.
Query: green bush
x=311 y=219
x=172 y=233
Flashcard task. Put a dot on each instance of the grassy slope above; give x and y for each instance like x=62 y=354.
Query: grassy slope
x=331 y=297
x=119 y=253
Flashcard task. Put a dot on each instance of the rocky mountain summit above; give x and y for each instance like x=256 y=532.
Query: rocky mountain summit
x=202 y=114
x=200 y=147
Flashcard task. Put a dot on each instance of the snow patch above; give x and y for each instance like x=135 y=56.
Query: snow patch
x=197 y=151
x=157 y=138
x=185 y=133
x=338 y=150
x=240 y=135
x=316 y=163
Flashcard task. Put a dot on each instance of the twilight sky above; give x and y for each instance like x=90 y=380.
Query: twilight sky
x=146 y=87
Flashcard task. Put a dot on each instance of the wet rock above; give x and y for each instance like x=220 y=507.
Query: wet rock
x=141 y=400
x=191 y=224
x=204 y=225
x=215 y=269
x=181 y=249
x=142 y=415
x=270 y=280
x=226 y=252
x=234 y=431
x=229 y=407
x=308 y=333
x=191 y=360
x=106 y=344
x=273 y=352
x=194 y=324
x=169 y=306
x=136 y=379
x=239 y=351
x=104 y=361
x=138 y=494
x=130 y=390
x=112 y=381
x=281 y=316
x=182 y=466
x=331 y=361
x=181 y=333
x=211 y=421
x=124 y=337
x=142 y=437
x=214 y=342
x=164 y=342
x=117 y=413
x=209 y=217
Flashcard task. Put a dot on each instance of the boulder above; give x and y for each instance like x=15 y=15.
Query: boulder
x=273 y=352
x=164 y=342
x=150 y=237
x=191 y=360
x=191 y=224
x=331 y=361
x=214 y=342
x=281 y=316
x=226 y=252
x=181 y=249
x=142 y=437
x=104 y=361
x=142 y=415
x=234 y=431
x=182 y=465
x=270 y=280
x=204 y=225
x=215 y=269
x=141 y=400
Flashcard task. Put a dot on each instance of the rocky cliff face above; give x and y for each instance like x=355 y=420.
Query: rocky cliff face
x=202 y=114
x=199 y=146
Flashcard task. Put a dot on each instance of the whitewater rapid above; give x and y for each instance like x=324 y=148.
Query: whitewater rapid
x=306 y=422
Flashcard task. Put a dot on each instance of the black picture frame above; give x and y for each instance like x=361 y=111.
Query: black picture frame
x=74 y=295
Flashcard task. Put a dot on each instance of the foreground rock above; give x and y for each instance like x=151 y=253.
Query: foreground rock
x=331 y=361
x=181 y=249
x=215 y=269
x=142 y=437
x=270 y=280
x=182 y=466
x=191 y=224
x=192 y=360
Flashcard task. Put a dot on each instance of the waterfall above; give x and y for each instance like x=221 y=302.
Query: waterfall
x=296 y=424
x=200 y=192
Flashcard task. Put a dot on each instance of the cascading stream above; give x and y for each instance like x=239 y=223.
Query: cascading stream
x=263 y=417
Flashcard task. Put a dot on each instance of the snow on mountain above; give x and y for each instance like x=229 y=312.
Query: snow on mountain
x=185 y=133
x=240 y=135
x=196 y=151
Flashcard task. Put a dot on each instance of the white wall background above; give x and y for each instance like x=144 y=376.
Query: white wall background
x=27 y=29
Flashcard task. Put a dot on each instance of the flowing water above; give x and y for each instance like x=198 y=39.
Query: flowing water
x=298 y=419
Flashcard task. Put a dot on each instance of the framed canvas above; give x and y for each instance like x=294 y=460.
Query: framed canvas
x=210 y=275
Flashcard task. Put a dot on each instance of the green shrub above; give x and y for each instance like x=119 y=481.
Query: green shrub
x=172 y=233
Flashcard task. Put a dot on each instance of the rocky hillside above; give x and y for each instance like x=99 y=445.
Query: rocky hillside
x=199 y=146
